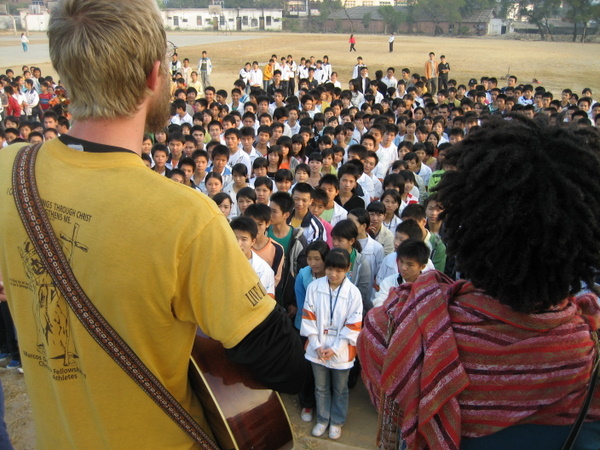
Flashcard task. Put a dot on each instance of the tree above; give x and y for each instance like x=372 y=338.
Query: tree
x=184 y=3
x=440 y=11
x=580 y=11
x=366 y=20
x=348 y=16
x=326 y=8
x=391 y=18
x=539 y=13
x=476 y=5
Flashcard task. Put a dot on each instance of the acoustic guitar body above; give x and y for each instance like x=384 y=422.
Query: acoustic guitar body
x=241 y=412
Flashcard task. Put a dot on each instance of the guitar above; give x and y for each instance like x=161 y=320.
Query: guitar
x=241 y=412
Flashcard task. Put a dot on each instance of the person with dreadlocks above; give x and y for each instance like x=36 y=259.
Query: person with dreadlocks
x=505 y=359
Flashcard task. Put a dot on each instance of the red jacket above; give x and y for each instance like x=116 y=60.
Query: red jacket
x=14 y=109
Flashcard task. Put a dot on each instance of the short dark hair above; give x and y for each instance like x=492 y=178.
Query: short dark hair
x=331 y=180
x=283 y=175
x=411 y=228
x=304 y=188
x=318 y=246
x=413 y=249
x=258 y=211
x=349 y=169
x=284 y=201
x=246 y=192
x=220 y=150
x=337 y=258
x=245 y=224
x=264 y=181
x=346 y=229
x=376 y=207
x=414 y=211
x=361 y=215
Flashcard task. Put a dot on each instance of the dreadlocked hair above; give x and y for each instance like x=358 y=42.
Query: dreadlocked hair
x=522 y=211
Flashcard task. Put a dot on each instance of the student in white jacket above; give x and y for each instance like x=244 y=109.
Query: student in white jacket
x=371 y=249
x=331 y=320
x=412 y=257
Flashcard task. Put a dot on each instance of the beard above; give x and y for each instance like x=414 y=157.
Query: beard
x=159 y=109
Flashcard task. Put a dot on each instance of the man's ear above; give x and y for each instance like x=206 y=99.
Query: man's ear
x=153 y=78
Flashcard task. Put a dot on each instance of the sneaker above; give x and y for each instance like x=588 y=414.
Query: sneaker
x=14 y=364
x=20 y=370
x=319 y=429
x=335 y=431
x=307 y=414
x=5 y=358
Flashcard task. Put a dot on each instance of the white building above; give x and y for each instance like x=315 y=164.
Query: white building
x=229 y=19
x=201 y=19
x=36 y=17
x=355 y=3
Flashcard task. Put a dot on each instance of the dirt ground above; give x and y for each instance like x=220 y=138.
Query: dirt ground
x=555 y=65
x=358 y=433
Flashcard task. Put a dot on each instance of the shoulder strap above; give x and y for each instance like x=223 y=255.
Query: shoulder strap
x=40 y=232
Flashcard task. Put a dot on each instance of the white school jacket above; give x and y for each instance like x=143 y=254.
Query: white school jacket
x=264 y=272
x=373 y=252
x=346 y=320
x=339 y=213
x=389 y=266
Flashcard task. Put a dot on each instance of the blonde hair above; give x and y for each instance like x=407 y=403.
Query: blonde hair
x=103 y=51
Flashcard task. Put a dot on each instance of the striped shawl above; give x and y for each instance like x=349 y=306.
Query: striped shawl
x=442 y=360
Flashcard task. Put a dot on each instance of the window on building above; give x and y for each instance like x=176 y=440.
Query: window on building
x=199 y=21
x=245 y=21
x=222 y=20
x=254 y=22
x=268 y=20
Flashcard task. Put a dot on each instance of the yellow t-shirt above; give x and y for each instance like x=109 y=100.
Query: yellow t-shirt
x=155 y=258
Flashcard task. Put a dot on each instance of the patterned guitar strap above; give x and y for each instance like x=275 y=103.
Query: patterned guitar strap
x=40 y=232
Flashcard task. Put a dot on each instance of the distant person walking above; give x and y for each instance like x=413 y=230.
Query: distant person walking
x=391 y=42
x=352 y=42
x=24 y=42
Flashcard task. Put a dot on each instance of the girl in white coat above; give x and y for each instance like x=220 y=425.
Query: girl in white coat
x=331 y=320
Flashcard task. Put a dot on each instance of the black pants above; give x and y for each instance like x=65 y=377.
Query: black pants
x=306 y=397
x=8 y=338
x=391 y=46
x=352 y=47
x=443 y=83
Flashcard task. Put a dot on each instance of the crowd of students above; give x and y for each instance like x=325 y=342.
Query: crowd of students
x=330 y=191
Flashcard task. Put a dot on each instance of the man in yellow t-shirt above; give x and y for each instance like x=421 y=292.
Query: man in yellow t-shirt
x=153 y=256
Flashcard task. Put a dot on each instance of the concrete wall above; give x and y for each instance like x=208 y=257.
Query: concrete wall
x=34 y=22
x=427 y=28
